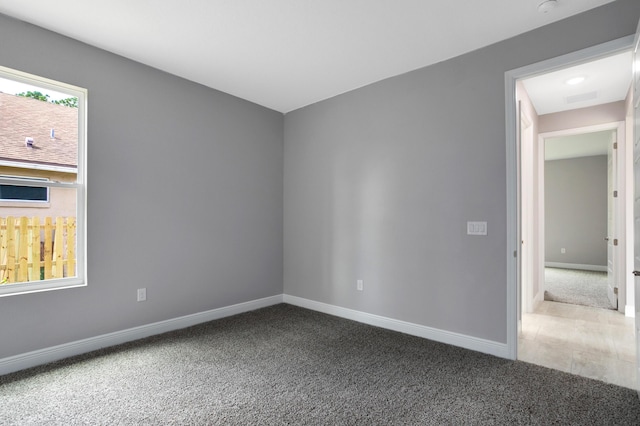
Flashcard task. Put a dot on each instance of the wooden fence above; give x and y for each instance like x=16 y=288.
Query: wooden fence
x=33 y=249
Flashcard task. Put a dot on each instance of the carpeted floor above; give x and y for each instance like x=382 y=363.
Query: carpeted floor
x=286 y=365
x=587 y=288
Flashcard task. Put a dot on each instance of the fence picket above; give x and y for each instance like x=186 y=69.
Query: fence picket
x=48 y=248
x=23 y=253
x=3 y=249
x=11 y=250
x=71 y=245
x=58 y=247
x=36 y=250
x=23 y=250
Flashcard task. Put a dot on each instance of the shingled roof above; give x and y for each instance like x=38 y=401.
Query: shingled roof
x=22 y=118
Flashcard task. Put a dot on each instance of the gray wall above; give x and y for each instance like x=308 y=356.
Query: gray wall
x=379 y=184
x=576 y=210
x=184 y=197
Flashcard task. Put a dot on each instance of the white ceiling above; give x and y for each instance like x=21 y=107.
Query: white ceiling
x=606 y=80
x=286 y=54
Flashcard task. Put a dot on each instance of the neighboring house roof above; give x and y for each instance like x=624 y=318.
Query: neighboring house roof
x=22 y=117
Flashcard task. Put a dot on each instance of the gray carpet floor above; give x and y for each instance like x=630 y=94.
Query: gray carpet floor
x=588 y=288
x=285 y=365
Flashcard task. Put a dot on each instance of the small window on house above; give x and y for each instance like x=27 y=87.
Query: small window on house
x=42 y=183
x=26 y=194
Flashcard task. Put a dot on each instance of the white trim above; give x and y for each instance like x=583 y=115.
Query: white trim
x=30 y=204
x=527 y=202
x=574 y=58
x=579 y=266
x=29 y=182
x=35 y=166
x=541 y=225
x=513 y=234
x=443 y=336
x=29 y=287
x=54 y=353
x=629 y=311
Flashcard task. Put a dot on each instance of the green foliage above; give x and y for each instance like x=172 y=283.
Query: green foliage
x=68 y=102
x=35 y=95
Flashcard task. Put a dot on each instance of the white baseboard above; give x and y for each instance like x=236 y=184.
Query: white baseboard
x=455 y=339
x=580 y=266
x=54 y=353
x=629 y=311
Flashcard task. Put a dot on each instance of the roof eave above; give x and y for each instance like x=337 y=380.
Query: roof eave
x=36 y=166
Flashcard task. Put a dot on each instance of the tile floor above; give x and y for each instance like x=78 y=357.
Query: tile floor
x=590 y=342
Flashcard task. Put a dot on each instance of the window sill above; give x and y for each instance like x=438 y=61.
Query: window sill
x=25 y=204
x=39 y=286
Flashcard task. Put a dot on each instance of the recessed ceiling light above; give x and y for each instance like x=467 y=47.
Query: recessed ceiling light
x=547 y=5
x=575 y=80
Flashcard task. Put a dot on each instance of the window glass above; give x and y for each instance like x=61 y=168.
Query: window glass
x=23 y=193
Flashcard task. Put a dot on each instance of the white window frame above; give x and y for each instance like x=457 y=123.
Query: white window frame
x=22 y=201
x=80 y=185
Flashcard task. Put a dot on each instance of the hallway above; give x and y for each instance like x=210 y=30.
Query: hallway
x=589 y=342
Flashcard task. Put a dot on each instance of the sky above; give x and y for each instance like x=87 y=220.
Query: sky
x=13 y=87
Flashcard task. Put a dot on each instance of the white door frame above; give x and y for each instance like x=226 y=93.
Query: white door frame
x=527 y=197
x=511 y=112
x=622 y=271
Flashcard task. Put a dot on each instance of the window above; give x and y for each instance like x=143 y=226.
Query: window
x=42 y=183
x=27 y=194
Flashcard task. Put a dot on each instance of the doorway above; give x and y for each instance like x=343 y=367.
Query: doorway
x=564 y=326
x=583 y=237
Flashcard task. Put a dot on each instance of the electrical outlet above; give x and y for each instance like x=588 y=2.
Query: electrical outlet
x=563 y=250
x=360 y=285
x=142 y=294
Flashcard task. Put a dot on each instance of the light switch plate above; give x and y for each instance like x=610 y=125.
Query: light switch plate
x=476 y=228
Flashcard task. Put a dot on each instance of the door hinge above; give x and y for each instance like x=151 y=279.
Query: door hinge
x=615 y=241
x=615 y=290
x=615 y=145
x=515 y=253
x=615 y=194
